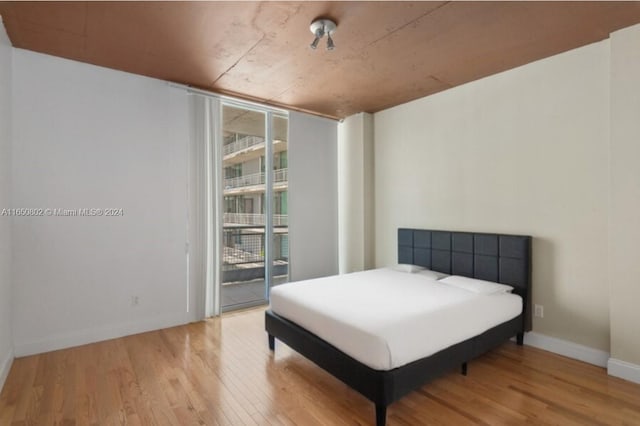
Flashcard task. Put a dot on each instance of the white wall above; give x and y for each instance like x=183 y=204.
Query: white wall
x=356 y=213
x=6 y=339
x=90 y=137
x=313 y=200
x=525 y=152
x=624 y=221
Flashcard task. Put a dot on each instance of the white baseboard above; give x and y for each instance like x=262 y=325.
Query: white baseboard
x=624 y=370
x=83 y=337
x=568 y=349
x=5 y=366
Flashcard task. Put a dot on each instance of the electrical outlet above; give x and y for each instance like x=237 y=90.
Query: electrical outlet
x=539 y=311
x=135 y=300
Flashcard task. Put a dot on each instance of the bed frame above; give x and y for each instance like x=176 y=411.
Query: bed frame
x=494 y=257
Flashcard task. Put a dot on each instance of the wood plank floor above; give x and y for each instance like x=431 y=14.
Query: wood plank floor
x=220 y=372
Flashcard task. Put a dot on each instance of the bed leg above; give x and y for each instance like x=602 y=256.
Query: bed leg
x=381 y=415
x=464 y=369
x=272 y=342
x=520 y=339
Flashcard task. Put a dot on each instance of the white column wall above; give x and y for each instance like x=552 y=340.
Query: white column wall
x=356 y=209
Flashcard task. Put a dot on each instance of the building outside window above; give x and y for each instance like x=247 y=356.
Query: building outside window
x=244 y=229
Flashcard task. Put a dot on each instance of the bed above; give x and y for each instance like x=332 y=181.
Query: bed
x=384 y=377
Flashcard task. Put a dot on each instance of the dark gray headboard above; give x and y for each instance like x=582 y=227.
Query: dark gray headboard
x=500 y=258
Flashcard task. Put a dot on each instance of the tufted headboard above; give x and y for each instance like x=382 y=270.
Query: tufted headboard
x=500 y=258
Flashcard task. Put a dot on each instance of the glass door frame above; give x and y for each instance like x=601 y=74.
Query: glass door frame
x=269 y=114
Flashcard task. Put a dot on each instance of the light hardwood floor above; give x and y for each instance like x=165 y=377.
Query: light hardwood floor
x=220 y=372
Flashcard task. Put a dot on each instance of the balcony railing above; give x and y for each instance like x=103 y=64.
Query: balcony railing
x=246 y=180
x=279 y=176
x=243 y=256
x=241 y=144
x=254 y=219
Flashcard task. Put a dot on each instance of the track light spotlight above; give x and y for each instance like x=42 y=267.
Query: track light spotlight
x=319 y=28
x=319 y=33
x=330 y=45
x=315 y=43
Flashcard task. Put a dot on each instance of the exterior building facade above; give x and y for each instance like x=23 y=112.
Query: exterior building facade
x=244 y=208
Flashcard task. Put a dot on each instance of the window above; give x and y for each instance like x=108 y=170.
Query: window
x=255 y=253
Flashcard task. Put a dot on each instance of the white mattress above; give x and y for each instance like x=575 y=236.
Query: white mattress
x=385 y=318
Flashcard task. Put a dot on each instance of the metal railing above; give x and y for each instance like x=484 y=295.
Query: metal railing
x=241 y=144
x=246 y=180
x=243 y=253
x=254 y=219
x=279 y=176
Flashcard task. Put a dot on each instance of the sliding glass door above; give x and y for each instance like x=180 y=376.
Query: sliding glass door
x=255 y=249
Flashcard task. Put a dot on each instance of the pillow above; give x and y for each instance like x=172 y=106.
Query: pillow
x=405 y=267
x=476 y=286
x=434 y=275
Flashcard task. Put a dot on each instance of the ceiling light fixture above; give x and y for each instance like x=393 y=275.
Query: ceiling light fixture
x=320 y=27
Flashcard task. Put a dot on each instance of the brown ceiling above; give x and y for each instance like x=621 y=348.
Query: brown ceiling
x=387 y=52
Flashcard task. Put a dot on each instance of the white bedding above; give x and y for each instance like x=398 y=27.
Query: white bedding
x=385 y=318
